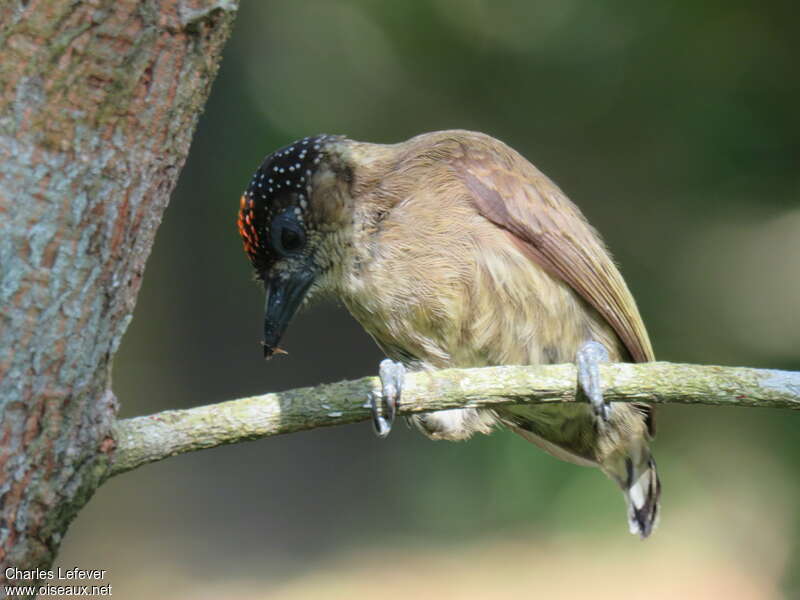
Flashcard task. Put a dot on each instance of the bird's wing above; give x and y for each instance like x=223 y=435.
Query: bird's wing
x=511 y=193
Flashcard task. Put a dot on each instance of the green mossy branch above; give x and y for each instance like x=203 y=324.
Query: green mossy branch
x=147 y=439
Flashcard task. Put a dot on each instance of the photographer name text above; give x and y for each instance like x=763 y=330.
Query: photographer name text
x=59 y=574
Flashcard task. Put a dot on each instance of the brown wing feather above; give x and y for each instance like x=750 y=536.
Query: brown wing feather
x=513 y=194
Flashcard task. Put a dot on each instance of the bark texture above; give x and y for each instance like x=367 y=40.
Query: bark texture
x=98 y=103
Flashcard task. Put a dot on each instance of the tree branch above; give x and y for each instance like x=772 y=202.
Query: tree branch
x=147 y=439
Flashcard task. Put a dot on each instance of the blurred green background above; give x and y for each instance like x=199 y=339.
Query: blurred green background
x=674 y=125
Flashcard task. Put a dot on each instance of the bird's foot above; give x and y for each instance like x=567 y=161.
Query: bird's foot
x=392 y=375
x=588 y=359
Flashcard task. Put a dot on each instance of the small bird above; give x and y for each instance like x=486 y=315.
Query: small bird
x=452 y=250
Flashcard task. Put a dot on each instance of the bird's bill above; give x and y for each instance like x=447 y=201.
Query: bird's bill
x=284 y=296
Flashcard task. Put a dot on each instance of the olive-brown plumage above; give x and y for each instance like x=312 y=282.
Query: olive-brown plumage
x=452 y=250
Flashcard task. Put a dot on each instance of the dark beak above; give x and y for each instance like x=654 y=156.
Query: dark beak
x=284 y=296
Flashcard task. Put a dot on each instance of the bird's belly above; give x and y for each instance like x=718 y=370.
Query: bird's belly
x=495 y=308
x=512 y=337
x=495 y=334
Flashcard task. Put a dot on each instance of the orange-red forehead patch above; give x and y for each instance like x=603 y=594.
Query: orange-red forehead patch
x=247 y=230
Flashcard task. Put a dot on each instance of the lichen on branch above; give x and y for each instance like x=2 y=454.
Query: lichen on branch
x=142 y=440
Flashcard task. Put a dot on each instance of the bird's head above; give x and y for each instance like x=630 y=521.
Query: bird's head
x=292 y=219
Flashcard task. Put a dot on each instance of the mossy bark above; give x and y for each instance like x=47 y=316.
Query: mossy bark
x=98 y=104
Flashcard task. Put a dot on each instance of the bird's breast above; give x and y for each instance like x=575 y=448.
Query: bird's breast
x=450 y=289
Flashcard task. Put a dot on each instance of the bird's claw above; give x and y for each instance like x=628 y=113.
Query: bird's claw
x=588 y=359
x=392 y=375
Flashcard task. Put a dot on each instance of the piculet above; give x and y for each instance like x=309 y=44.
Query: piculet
x=452 y=250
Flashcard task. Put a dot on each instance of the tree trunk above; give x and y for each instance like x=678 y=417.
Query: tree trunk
x=98 y=103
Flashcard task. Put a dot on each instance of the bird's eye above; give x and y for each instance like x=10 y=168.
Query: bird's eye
x=291 y=239
x=286 y=234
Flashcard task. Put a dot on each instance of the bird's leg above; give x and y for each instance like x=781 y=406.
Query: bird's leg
x=392 y=375
x=588 y=359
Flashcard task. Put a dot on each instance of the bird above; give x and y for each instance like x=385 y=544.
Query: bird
x=452 y=250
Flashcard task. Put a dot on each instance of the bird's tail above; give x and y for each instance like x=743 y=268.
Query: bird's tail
x=642 y=490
